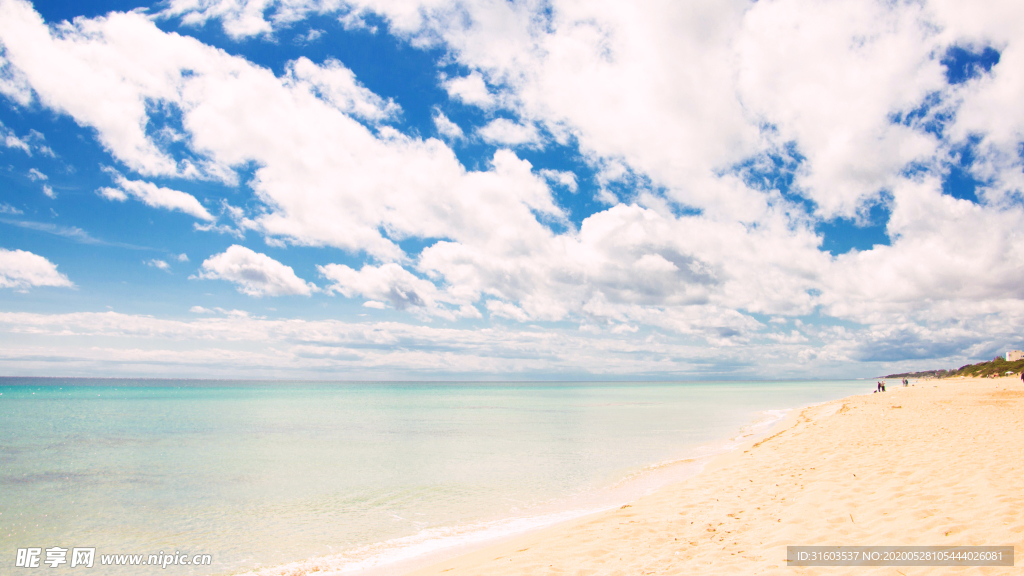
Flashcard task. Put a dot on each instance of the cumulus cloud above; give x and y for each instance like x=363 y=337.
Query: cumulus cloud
x=835 y=103
x=822 y=88
x=470 y=90
x=506 y=132
x=81 y=83
x=159 y=264
x=563 y=178
x=984 y=105
x=336 y=84
x=22 y=270
x=506 y=310
x=931 y=270
x=255 y=274
x=721 y=134
x=11 y=140
x=156 y=196
x=323 y=177
x=397 y=286
x=244 y=18
x=641 y=265
x=14 y=86
x=313 y=35
x=445 y=127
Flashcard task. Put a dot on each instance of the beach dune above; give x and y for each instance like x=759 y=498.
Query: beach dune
x=939 y=463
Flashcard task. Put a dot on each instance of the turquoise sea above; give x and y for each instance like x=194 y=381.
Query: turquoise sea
x=371 y=474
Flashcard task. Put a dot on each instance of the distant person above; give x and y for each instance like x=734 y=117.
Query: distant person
x=1022 y=377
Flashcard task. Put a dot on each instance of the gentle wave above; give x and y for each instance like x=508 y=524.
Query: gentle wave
x=426 y=542
x=434 y=544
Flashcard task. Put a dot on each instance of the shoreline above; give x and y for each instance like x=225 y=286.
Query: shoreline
x=432 y=546
x=930 y=464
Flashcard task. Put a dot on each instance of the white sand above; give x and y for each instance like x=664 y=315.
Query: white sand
x=939 y=463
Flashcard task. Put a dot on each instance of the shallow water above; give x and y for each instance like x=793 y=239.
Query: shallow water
x=257 y=473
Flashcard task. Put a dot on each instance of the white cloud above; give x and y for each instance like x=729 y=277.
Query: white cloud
x=244 y=18
x=470 y=90
x=507 y=310
x=828 y=76
x=22 y=270
x=8 y=209
x=14 y=86
x=34 y=142
x=685 y=112
x=48 y=192
x=374 y=304
x=181 y=257
x=239 y=19
x=157 y=197
x=563 y=178
x=986 y=106
x=36 y=175
x=938 y=266
x=653 y=86
x=641 y=266
x=337 y=85
x=112 y=194
x=399 y=287
x=9 y=138
x=240 y=345
x=255 y=274
x=160 y=264
x=606 y=197
x=277 y=348
x=446 y=127
x=681 y=107
x=92 y=84
x=219 y=310
x=324 y=178
x=313 y=35
x=506 y=132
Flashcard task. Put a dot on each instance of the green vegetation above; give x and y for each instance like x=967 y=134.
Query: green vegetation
x=923 y=374
x=995 y=367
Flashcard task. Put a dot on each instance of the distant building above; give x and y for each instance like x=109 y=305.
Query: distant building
x=1014 y=355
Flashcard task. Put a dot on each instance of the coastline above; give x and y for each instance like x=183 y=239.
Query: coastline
x=932 y=464
x=434 y=546
x=414 y=468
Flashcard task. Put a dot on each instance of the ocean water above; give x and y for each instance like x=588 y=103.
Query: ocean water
x=260 y=474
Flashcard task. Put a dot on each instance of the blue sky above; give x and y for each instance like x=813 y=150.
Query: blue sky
x=508 y=190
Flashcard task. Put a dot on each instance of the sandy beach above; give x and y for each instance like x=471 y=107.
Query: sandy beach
x=938 y=463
